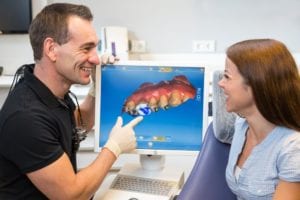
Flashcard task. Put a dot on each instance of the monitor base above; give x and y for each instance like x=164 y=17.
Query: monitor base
x=152 y=162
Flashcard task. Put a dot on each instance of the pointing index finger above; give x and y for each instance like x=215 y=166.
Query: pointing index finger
x=135 y=121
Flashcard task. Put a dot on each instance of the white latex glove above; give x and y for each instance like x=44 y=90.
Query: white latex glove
x=122 y=139
x=106 y=58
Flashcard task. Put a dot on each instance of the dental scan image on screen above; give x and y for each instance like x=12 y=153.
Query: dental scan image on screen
x=172 y=100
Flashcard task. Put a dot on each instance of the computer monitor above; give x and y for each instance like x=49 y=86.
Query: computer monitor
x=172 y=97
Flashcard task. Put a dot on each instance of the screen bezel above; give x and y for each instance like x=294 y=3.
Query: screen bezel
x=19 y=9
x=97 y=147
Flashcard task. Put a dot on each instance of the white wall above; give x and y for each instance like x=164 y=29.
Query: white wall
x=15 y=50
x=170 y=26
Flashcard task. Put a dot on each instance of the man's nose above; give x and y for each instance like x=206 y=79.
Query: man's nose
x=94 y=58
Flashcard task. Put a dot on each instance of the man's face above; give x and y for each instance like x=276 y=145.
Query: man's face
x=76 y=58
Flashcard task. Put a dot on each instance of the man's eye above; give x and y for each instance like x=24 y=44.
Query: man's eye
x=87 y=49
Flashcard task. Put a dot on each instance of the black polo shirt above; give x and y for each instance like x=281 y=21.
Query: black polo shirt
x=35 y=130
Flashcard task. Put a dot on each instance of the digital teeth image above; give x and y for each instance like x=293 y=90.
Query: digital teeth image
x=151 y=97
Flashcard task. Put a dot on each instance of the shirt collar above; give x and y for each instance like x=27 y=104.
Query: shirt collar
x=42 y=91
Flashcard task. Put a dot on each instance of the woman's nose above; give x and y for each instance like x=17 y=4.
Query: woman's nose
x=220 y=83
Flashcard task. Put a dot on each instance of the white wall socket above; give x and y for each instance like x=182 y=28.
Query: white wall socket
x=200 y=46
x=138 y=46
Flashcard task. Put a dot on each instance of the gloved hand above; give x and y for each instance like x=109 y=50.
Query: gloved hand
x=122 y=139
x=105 y=59
x=92 y=88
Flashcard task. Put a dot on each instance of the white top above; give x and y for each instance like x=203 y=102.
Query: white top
x=276 y=158
x=237 y=172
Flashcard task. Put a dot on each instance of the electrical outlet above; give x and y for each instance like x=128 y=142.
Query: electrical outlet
x=138 y=46
x=200 y=46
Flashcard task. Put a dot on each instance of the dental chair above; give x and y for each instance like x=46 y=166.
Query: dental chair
x=207 y=178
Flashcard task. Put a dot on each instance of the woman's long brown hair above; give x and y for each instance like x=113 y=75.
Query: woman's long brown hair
x=270 y=70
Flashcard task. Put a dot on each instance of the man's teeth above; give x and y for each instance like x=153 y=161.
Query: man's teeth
x=86 y=69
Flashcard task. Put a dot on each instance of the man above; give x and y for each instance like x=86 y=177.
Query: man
x=39 y=121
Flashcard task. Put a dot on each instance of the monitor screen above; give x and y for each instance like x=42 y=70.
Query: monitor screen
x=171 y=97
x=15 y=16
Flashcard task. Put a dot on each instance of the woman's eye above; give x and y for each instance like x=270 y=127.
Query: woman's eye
x=226 y=76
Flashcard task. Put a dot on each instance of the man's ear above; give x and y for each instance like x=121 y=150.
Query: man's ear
x=50 y=48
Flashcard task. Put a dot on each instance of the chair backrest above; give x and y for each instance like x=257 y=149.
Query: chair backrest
x=207 y=178
x=223 y=121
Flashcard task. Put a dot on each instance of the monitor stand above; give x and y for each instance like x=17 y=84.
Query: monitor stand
x=153 y=167
x=152 y=162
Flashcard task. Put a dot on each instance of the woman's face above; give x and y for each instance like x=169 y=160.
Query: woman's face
x=238 y=94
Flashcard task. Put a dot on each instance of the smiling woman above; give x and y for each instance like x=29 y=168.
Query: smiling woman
x=262 y=84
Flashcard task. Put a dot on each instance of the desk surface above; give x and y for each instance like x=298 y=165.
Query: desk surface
x=6 y=81
x=105 y=185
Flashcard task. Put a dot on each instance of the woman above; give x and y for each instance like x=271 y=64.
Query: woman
x=262 y=85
